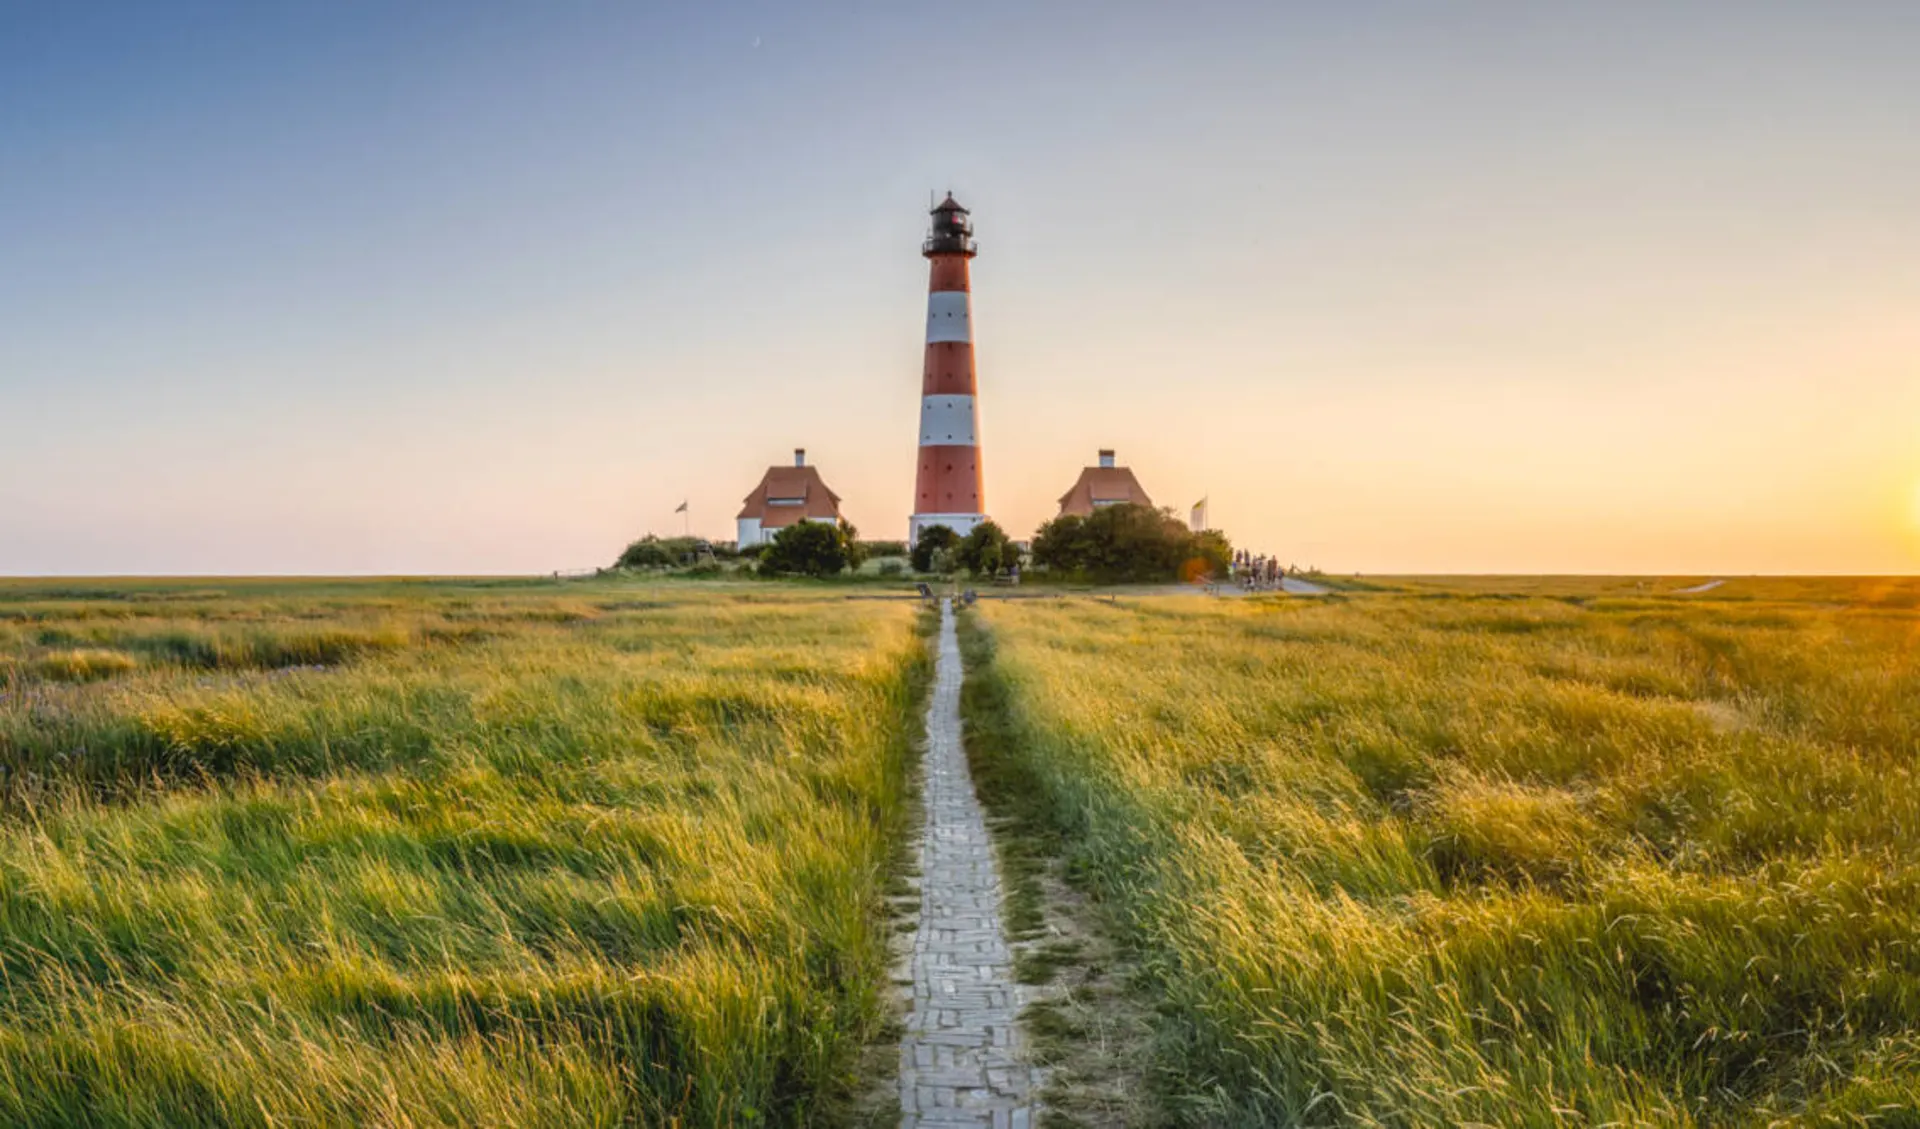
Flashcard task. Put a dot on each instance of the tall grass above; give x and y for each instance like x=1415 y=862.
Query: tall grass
x=1439 y=858
x=447 y=854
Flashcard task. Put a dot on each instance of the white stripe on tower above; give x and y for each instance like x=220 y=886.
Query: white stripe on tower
x=949 y=316
x=946 y=420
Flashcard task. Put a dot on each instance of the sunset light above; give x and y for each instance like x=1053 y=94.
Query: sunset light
x=979 y=565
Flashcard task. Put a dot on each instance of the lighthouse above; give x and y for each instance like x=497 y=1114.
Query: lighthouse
x=947 y=490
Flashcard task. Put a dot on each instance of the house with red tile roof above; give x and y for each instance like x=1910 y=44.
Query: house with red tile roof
x=1102 y=486
x=786 y=496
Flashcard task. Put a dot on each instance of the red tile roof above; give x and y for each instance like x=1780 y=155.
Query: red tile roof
x=787 y=494
x=1103 y=485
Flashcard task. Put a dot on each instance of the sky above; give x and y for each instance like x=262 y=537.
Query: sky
x=492 y=287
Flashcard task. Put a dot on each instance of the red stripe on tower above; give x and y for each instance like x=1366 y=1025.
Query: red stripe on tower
x=948 y=487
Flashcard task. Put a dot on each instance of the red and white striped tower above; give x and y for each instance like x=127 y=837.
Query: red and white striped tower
x=948 y=490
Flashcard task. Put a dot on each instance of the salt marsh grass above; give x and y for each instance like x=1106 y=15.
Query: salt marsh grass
x=414 y=854
x=1448 y=853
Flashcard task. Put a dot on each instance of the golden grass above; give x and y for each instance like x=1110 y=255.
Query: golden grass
x=1448 y=854
x=83 y=664
x=459 y=853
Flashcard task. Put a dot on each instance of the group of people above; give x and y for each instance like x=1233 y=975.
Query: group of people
x=1257 y=573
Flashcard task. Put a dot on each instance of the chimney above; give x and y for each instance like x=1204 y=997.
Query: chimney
x=799 y=456
x=1106 y=456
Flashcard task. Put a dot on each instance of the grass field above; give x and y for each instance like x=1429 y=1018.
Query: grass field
x=1426 y=851
x=1535 y=853
x=451 y=853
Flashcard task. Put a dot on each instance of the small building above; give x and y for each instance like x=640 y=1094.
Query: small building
x=1102 y=486
x=786 y=496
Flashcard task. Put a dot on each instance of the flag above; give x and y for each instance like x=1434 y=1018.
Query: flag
x=681 y=508
x=1197 y=520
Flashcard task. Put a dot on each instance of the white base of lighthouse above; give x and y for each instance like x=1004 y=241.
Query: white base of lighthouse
x=961 y=524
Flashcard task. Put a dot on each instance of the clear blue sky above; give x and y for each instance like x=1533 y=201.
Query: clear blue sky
x=485 y=287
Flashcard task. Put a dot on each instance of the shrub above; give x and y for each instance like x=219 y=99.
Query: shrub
x=856 y=548
x=892 y=566
x=663 y=552
x=809 y=548
x=933 y=539
x=1130 y=543
x=984 y=549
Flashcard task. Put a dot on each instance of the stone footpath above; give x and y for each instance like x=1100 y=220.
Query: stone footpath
x=960 y=1062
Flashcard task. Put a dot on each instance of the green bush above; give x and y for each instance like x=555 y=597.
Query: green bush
x=985 y=550
x=808 y=548
x=663 y=552
x=1130 y=543
x=933 y=539
x=857 y=552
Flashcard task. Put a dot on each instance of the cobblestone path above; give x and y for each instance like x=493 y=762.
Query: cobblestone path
x=959 y=1060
